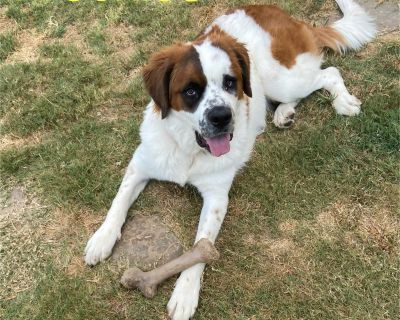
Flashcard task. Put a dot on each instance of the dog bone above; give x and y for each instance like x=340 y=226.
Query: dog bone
x=202 y=252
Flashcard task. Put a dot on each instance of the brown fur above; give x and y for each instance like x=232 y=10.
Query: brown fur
x=291 y=37
x=169 y=71
x=328 y=37
x=167 y=74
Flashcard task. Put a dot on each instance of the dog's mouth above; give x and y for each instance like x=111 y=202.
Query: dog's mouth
x=217 y=145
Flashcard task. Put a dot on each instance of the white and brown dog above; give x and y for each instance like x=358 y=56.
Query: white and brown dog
x=209 y=104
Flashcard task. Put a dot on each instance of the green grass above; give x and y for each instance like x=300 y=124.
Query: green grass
x=7 y=45
x=312 y=228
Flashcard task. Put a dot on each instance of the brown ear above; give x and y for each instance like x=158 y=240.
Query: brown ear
x=157 y=76
x=244 y=62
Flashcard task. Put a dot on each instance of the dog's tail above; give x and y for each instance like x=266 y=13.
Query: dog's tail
x=351 y=32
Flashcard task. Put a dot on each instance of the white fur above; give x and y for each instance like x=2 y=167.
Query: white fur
x=169 y=151
x=356 y=26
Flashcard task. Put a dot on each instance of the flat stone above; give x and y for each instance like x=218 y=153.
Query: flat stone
x=147 y=243
x=385 y=13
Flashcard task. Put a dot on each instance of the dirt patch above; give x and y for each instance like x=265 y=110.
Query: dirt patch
x=115 y=110
x=10 y=141
x=23 y=251
x=75 y=267
x=31 y=235
x=279 y=256
x=28 y=42
x=16 y=200
x=372 y=48
x=73 y=37
x=375 y=225
x=380 y=229
x=118 y=37
x=6 y=24
x=355 y=224
x=62 y=223
x=281 y=246
x=204 y=15
x=274 y=247
x=326 y=223
x=289 y=226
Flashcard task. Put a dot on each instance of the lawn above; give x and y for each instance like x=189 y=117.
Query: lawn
x=313 y=221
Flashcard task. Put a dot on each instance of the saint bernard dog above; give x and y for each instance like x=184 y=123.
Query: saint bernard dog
x=209 y=100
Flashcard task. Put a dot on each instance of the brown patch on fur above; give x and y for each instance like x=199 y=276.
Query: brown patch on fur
x=187 y=70
x=291 y=37
x=167 y=74
x=237 y=54
x=328 y=37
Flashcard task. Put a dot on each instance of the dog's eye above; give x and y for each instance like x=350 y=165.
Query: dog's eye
x=229 y=83
x=191 y=92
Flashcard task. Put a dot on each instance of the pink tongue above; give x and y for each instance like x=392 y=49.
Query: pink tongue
x=219 y=145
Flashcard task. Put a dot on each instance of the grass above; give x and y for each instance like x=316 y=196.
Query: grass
x=312 y=229
x=7 y=45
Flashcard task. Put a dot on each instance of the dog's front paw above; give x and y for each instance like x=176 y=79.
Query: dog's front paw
x=184 y=299
x=100 y=245
x=347 y=105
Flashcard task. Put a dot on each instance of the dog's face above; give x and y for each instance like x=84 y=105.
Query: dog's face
x=203 y=81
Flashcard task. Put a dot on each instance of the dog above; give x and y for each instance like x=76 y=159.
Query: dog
x=208 y=104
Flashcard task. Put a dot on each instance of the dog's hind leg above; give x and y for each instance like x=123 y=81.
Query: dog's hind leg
x=344 y=103
x=284 y=115
x=100 y=245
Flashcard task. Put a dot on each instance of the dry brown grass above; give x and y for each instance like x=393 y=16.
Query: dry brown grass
x=10 y=141
x=29 y=42
x=23 y=255
x=118 y=38
x=34 y=234
x=72 y=36
x=6 y=24
x=283 y=255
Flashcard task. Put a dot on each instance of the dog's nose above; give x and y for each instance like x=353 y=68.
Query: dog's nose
x=219 y=116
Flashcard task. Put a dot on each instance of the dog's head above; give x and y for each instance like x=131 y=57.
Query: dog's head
x=203 y=82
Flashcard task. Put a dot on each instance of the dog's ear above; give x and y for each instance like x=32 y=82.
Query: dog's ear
x=244 y=62
x=157 y=75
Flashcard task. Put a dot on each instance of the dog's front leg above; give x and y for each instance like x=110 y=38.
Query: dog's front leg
x=100 y=245
x=184 y=299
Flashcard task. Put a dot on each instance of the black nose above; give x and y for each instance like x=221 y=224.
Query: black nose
x=219 y=116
